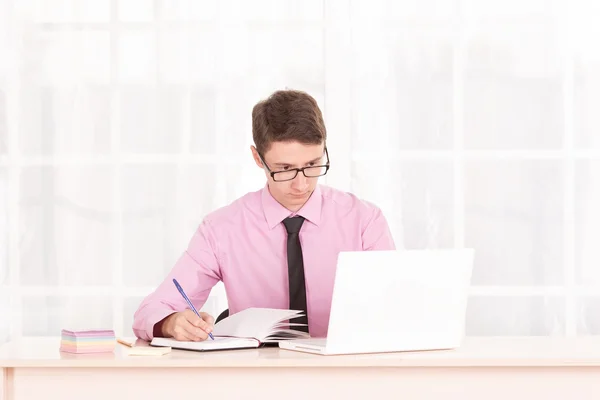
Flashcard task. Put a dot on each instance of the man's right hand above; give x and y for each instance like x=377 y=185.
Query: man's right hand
x=186 y=326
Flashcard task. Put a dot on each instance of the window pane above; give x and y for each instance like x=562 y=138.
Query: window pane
x=587 y=84
x=515 y=316
x=64 y=11
x=587 y=221
x=137 y=57
x=294 y=58
x=424 y=10
x=4 y=232
x=149 y=194
x=403 y=87
x=3 y=123
x=91 y=10
x=587 y=121
x=162 y=210
x=152 y=119
x=69 y=57
x=66 y=226
x=52 y=11
x=513 y=87
x=199 y=189
x=130 y=306
x=65 y=120
x=188 y=56
x=588 y=316
x=47 y=316
x=7 y=316
x=188 y=10
x=419 y=204
x=273 y=10
x=135 y=10
x=477 y=9
x=203 y=120
x=514 y=220
x=389 y=11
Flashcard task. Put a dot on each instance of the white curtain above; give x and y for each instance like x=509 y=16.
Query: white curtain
x=470 y=122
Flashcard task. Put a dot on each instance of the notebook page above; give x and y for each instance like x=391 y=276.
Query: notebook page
x=286 y=325
x=206 y=345
x=253 y=322
x=286 y=334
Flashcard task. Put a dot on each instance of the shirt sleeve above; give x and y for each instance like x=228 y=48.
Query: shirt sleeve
x=376 y=235
x=197 y=271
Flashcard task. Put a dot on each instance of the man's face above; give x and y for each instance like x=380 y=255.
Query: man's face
x=282 y=156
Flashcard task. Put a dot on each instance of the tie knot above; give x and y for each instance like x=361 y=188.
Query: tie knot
x=293 y=225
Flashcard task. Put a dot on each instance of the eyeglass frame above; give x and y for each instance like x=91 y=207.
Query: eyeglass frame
x=326 y=165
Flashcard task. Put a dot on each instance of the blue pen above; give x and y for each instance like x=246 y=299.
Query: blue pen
x=189 y=302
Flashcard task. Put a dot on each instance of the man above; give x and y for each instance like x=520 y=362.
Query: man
x=276 y=247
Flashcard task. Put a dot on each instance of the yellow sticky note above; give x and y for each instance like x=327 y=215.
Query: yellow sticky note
x=148 y=351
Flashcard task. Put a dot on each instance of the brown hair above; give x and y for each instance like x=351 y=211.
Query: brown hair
x=287 y=115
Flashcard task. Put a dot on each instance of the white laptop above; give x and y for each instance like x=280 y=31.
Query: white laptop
x=401 y=300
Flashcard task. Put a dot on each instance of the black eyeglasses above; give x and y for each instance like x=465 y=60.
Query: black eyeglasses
x=312 y=171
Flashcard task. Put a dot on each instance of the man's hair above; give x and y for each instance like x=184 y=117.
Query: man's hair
x=287 y=115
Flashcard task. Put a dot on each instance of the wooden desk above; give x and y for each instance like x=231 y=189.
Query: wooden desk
x=483 y=368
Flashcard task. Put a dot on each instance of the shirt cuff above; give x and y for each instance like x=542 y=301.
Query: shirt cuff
x=152 y=319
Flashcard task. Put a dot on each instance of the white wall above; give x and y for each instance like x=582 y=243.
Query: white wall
x=470 y=122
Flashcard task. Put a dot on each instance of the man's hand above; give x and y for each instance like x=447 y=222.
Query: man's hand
x=186 y=326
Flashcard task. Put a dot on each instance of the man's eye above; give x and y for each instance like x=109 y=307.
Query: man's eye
x=286 y=168
x=312 y=164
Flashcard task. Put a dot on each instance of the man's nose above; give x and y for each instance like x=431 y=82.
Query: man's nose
x=300 y=181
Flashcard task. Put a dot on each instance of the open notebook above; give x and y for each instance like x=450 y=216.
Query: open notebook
x=246 y=329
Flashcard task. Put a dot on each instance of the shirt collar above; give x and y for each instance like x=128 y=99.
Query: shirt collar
x=275 y=212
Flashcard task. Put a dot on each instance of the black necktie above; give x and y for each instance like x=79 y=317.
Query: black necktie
x=296 y=270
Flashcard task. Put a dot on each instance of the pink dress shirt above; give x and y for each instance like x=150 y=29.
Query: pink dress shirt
x=244 y=245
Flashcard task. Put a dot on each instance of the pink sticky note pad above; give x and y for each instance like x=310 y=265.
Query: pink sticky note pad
x=89 y=333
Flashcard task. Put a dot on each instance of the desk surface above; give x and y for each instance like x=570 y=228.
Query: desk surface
x=475 y=352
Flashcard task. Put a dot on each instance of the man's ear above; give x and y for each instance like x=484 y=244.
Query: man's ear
x=256 y=157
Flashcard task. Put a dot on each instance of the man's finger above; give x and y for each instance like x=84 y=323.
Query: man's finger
x=195 y=333
x=196 y=321
x=208 y=318
x=181 y=334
